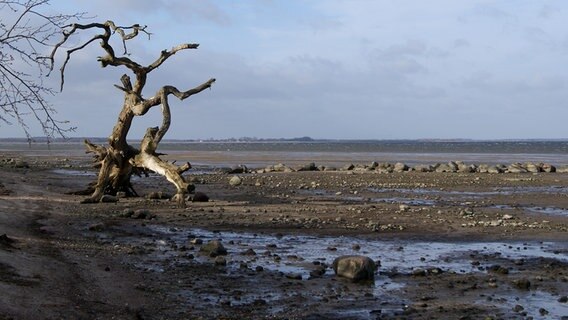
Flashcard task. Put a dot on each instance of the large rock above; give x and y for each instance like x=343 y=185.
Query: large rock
x=280 y=168
x=307 y=167
x=447 y=167
x=516 y=168
x=547 y=167
x=213 y=248
x=356 y=268
x=348 y=167
x=485 y=168
x=532 y=167
x=400 y=167
x=465 y=168
x=423 y=168
x=241 y=168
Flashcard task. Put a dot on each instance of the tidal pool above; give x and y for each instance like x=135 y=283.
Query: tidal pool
x=297 y=255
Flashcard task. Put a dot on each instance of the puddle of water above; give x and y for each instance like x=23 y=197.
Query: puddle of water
x=72 y=172
x=532 y=302
x=549 y=210
x=429 y=202
x=477 y=194
x=541 y=210
x=298 y=254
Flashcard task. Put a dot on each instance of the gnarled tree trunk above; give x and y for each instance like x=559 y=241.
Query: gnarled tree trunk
x=118 y=161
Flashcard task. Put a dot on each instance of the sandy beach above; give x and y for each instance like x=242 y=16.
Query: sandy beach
x=448 y=245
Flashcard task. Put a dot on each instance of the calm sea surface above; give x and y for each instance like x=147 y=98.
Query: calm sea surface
x=329 y=152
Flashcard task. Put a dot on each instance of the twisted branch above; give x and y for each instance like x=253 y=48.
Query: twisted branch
x=109 y=29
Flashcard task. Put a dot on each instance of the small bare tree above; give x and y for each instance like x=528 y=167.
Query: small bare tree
x=119 y=160
x=25 y=32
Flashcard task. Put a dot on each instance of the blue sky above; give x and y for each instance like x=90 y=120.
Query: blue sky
x=347 y=69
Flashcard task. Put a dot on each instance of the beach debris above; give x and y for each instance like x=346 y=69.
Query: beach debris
x=354 y=267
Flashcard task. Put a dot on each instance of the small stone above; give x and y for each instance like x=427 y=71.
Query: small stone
x=98 y=227
x=220 y=261
x=235 y=181
x=498 y=269
x=107 y=198
x=404 y=207
x=213 y=248
x=419 y=272
x=518 y=308
x=294 y=276
x=563 y=299
x=249 y=252
x=141 y=214
x=196 y=241
x=523 y=284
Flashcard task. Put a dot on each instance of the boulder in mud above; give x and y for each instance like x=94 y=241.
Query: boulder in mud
x=213 y=248
x=356 y=268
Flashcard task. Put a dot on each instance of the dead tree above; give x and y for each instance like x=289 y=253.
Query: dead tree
x=118 y=161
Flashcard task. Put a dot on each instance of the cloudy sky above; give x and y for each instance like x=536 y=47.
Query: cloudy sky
x=347 y=69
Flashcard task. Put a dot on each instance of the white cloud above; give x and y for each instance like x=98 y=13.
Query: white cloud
x=339 y=69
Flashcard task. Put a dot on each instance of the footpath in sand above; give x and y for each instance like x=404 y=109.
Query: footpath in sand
x=450 y=246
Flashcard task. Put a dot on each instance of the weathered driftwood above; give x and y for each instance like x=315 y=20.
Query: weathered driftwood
x=118 y=161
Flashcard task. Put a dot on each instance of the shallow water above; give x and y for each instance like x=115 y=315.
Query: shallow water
x=449 y=198
x=295 y=254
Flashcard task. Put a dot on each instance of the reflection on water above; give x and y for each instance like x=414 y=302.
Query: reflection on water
x=297 y=254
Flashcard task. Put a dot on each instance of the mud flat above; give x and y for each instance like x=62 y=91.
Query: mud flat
x=449 y=246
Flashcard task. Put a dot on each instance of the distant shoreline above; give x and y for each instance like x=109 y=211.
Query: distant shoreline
x=285 y=140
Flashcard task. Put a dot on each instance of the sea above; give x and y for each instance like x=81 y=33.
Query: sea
x=257 y=153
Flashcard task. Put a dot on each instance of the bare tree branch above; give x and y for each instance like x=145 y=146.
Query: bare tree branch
x=143 y=107
x=111 y=59
x=166 y=54
x=25 y=32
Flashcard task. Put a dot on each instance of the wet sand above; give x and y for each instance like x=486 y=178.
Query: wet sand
x=450 y=246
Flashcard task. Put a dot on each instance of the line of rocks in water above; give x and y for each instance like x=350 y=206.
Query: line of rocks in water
x=452 y=166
